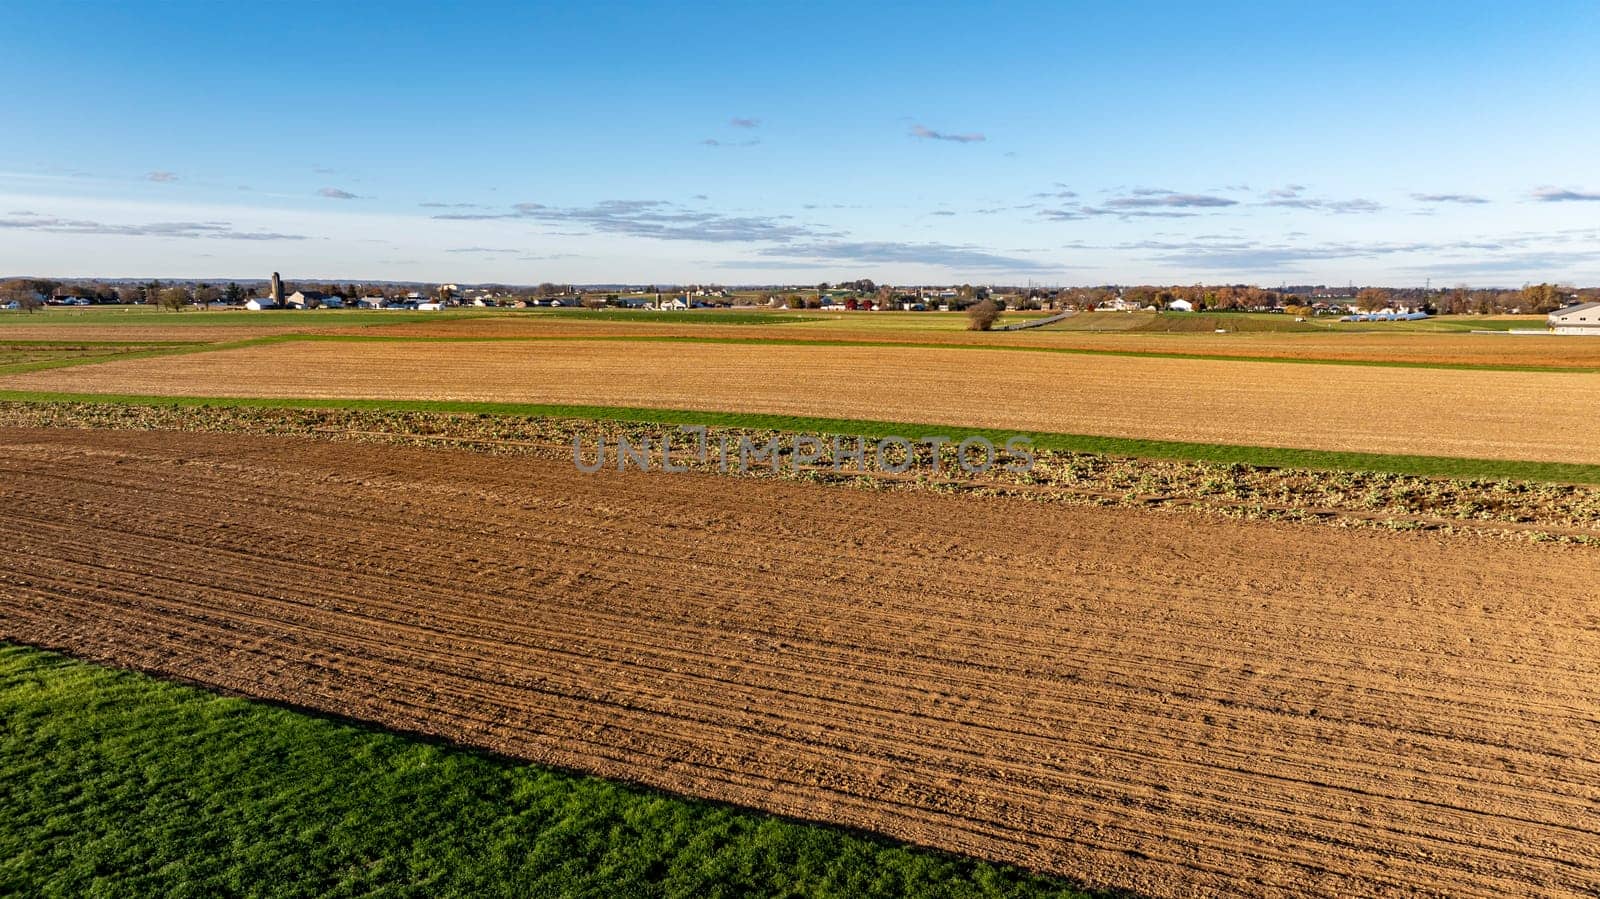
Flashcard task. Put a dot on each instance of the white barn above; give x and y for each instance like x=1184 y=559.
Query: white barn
x=1583 y=318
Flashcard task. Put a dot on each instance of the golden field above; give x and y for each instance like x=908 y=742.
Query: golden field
x=1536 y=416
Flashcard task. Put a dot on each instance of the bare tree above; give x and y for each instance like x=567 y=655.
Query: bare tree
x=981 y=316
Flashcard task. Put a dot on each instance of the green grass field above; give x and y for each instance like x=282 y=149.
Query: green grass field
x=1259 y=322
x=271 y=320
x=288 y=319
x=119 y=784
x=28 y=352
x=676 y=317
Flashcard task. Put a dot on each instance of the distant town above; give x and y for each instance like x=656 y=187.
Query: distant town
x=864 y=295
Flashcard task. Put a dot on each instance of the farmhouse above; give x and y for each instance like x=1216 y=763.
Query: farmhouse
x=256 y=304
x=1583 y=318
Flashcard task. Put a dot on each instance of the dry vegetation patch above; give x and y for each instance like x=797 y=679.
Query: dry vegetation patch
x=1522 y=510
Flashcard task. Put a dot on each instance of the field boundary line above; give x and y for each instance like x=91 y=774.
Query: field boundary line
x=1263 y=456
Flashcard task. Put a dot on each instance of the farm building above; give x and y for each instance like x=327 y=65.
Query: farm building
x=311 y=299
x=1385 y=316
x=256 y=304
x=1583 y=318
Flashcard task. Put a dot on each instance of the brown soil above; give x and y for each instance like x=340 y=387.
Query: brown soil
x=1172 y=704
x=1475 y=414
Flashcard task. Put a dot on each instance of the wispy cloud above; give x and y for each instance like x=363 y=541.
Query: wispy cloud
x=1151 y=198
x=217 y=230
x=1293 y=196
x=1565 y=195
x=739 y=122
x=713 y=142
x=450 y=205
x=922 y=133
x=1351 y=206
x=1448 y=198
x=482 y=250
x=1139 y=202
x=951 y=256
x=1528 y=252
x=658 y=219
x=334 y=193
x=161 y=177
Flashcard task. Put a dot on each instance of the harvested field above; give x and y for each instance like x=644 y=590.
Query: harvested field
x=1113 y=332
x=1431 y=348
x=1176 y=705
x=1472 y=414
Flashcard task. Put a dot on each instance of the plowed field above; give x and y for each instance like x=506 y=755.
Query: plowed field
x=1172 y=704
x=1332 y=345
x=1474 y=414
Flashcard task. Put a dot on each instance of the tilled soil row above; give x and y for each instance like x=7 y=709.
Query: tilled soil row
x=1175 y=704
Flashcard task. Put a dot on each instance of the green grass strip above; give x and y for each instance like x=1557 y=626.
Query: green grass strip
x=1268 y=456
x=66 y=342
x=170 y=349
x=933 y=345
x=122 y=784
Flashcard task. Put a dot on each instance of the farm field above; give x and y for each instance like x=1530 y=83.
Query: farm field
x=1438 y=348
x=1532 y=416
x=967 y=673
x=1439 y=342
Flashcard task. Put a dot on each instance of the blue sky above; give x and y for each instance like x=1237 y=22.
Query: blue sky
x=740 y=143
